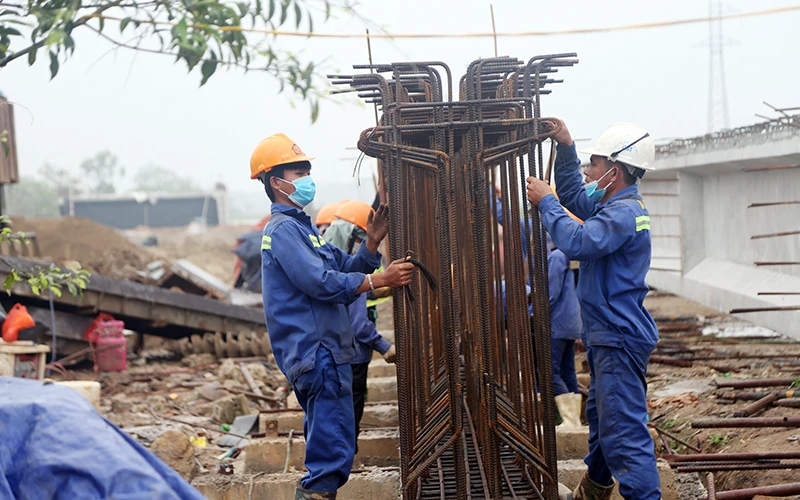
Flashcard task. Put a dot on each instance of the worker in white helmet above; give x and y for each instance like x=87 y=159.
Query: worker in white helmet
x=613 y=245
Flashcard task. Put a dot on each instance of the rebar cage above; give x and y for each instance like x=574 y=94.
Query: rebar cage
x=474 y=375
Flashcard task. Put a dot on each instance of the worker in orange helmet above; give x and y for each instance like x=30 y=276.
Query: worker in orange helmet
x=327 y=215
x=348 y=232
x=306 y=285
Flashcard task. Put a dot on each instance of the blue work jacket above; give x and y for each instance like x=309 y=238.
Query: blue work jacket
x=614 y=248
x=565 y=313
x=367 y=337
x=306 y=285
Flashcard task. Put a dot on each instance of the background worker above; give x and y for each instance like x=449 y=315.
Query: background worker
x=614 y=248
x=306 y=286
x=565 y=326
x=326 y=216
x=355 y=215
x=565 y=323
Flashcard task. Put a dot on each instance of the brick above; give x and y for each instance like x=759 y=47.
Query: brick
x=373 y=485
x=383 y=415
x=377 y=447
x=381 y=389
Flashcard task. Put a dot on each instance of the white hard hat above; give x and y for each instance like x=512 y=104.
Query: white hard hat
x=626 y=143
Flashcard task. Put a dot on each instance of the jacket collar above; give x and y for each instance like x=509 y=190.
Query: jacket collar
x=291 y=212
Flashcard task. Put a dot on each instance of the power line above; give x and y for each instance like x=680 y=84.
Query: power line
x=574 y=31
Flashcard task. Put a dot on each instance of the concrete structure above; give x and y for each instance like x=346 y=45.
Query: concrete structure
x=717 y=203
x=149 y=209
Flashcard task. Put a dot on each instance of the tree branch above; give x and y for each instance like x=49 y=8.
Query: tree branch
x=38 y=45
x=166 y=53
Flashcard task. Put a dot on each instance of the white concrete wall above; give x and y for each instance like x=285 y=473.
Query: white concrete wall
x=703 y=226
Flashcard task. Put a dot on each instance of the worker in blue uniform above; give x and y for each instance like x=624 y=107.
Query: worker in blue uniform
x=306 y=286
x=566 y=327
x=348 y=232
x=614 y=248
x=565 y=323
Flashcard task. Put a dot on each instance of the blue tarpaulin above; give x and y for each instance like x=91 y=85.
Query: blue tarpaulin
x=54 y=445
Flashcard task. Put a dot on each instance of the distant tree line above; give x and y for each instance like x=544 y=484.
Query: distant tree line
x=39 y=195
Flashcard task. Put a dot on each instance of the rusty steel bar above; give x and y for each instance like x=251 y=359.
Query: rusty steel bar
x=675 y=438
x=709 y=467
x=749 y=383
x=732 y=457
x=769 y=491
x=752 y=396
x=757 y=406
x=714 y=423
x=788 y=402
x=764 y=309
x=441 y=159
x=711 y=486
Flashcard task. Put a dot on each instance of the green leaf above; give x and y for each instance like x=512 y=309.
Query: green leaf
x=32 y=57
x=208 y=68
x=102 y=23
x=284 y=11
x=314 y=111
x=124 y=24
x=9 y=282
x=35 y=289
x=69 y=43
x=271 y=9
x=56 y=290
x=53 y=69
x=327 y=10
x=298 y=15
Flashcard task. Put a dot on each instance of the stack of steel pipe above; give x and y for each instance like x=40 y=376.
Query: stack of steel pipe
x=474 y=378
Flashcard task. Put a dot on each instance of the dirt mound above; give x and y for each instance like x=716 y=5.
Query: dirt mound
x=99 y=248
x=212 y=250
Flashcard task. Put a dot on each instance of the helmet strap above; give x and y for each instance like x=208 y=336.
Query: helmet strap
x=613 y=156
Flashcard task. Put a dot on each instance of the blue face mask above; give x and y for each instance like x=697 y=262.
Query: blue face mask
x=304 y=191
x=593 y=192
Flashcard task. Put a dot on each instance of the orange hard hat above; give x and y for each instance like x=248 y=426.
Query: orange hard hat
x=553 y=188
x=275 y=150
x=327 y=214
x=355 y=212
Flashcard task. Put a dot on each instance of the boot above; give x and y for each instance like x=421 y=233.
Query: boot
x=589 y=490
x=569 y=406
x=302 y=494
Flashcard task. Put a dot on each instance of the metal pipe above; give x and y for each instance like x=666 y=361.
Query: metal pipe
x=757 y=406
x=770 y=491
x=715 y=423
x=731 y=457
x=748 y=383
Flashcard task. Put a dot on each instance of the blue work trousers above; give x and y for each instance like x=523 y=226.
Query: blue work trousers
x=564 y=378
x=326 y=395
x=619 y=442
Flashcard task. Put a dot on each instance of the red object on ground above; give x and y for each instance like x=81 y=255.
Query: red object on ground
x=111 y=354
x=91 y=332
x=17 y=319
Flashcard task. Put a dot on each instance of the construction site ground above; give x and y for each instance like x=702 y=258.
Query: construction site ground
x=177 y=407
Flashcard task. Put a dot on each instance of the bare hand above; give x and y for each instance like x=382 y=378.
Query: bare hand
x=391 y=355
x=398 y=273
x=537 y=190
x=563 y=136
x=378 y=223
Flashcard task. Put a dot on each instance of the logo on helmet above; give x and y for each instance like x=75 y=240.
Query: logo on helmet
x=297 y=149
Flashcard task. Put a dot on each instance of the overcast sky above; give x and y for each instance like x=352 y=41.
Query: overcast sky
x=146 y=109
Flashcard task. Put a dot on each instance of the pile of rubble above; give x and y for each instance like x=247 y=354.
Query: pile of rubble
x=191 y=415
